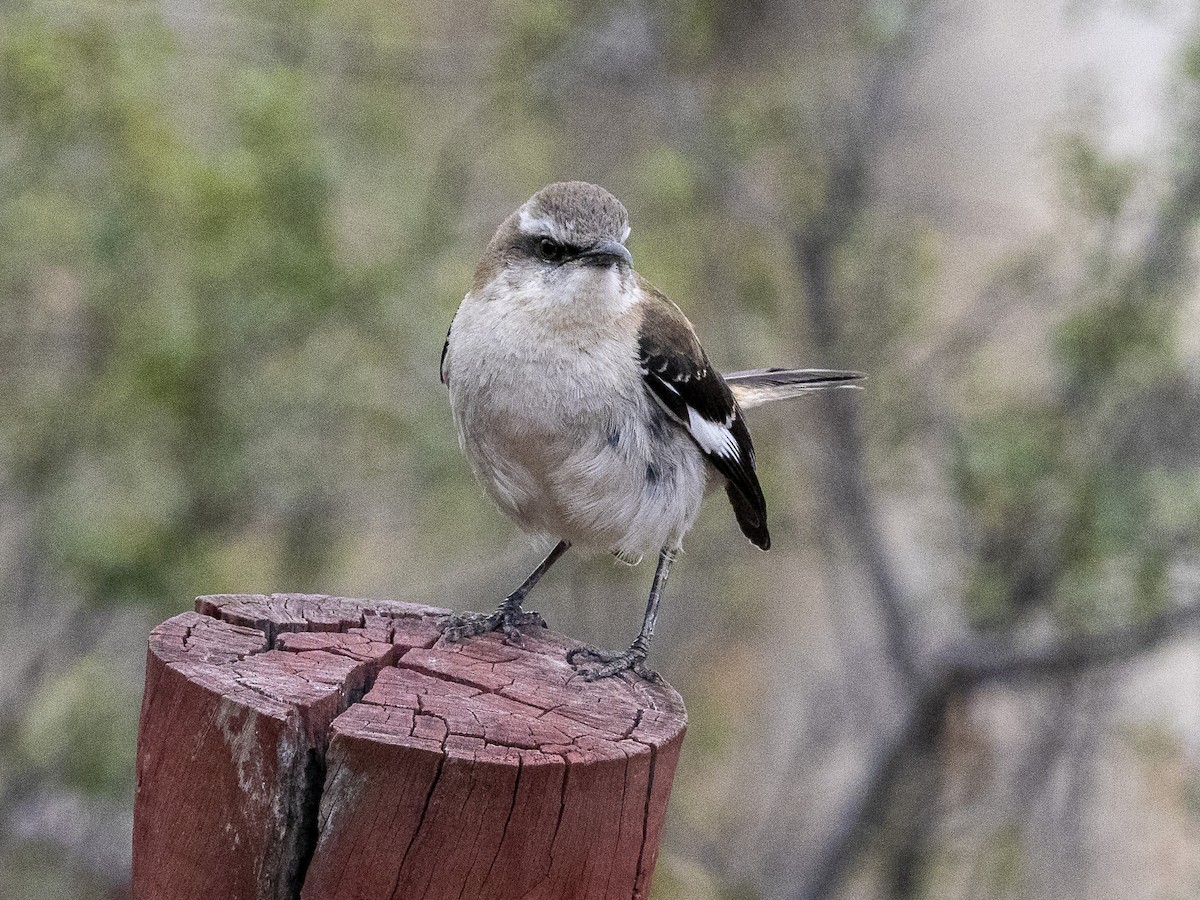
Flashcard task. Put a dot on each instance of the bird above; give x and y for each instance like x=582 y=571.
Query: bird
x=588 y=409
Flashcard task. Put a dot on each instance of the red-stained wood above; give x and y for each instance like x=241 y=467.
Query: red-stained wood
x=323 y=747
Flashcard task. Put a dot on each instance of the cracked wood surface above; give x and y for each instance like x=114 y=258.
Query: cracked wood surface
x=323 y=747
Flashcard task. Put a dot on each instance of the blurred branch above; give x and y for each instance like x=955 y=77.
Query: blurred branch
x=961 y=670
x=906 y=756
x=850 y=496
x=1168 y=244
x=887 y=766
x=815 y=249
x=976 y=661
x=1057 y=783
x=89 y=834
x=65 y=632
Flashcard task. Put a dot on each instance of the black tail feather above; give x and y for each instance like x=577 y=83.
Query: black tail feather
x=751 y=518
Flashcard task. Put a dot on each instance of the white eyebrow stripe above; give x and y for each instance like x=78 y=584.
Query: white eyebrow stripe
x=543 y=225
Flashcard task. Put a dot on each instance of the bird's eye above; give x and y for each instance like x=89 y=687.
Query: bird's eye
x=549 y=250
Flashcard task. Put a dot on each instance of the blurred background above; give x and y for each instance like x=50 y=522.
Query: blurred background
x=233 y=234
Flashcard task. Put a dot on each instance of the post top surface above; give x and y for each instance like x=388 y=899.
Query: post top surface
x=396 y=681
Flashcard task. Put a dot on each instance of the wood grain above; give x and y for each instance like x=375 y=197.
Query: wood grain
x=325 y=747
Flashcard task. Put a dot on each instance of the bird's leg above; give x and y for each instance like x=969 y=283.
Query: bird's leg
x=508 y=617
x=634 y=658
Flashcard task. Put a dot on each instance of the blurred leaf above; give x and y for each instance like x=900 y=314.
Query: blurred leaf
x=82 y=725
x=1097 y=184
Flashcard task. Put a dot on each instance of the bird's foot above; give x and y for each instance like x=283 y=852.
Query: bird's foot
x=611 y=663
x=509 y=618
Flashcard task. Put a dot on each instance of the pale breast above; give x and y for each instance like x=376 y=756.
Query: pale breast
x=563 y=436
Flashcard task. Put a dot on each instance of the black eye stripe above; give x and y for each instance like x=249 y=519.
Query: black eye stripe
x=546 y=248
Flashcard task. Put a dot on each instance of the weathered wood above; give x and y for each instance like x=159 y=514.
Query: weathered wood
x=321 y=747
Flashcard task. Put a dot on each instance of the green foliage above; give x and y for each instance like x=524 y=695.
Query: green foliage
x=1127 y=337
x=228 y=259
x=1005 y=464
x=1190 y=60
x=1062 y=523
x=695 y=25
x=205 y=278
x=38 y=871
x=885 y=275
x=1066 y=518
x=666 y=179
x=677 y=878
x=536 y=27
x=1005 y=472
x=82 y=728
x=1004 y=864
x=1098 y=185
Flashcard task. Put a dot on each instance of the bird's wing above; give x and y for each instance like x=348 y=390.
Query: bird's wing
x=678 y=375
x=444 y=370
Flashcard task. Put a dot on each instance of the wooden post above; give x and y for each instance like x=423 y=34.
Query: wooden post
x=302 y=746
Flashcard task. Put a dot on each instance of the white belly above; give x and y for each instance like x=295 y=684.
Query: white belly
x=567 y=441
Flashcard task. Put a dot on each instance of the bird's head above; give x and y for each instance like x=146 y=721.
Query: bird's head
x=565 y=243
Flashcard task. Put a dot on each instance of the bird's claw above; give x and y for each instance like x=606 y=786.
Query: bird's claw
x=510 y=620
x=612 y=663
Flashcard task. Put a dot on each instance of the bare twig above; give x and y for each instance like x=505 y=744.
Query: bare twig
x=962 y=670
x=814 y=249
x=889 y=762
x=976 y=661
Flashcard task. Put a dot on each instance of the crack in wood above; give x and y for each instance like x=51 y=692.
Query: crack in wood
x=562 y=807
x=507 y=820
x=501 y=700
x=437 y=775
x=620 y=821
x=646 y=814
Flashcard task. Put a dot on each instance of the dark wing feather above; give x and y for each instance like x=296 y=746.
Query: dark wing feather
x=445 y=376
x=678 y=375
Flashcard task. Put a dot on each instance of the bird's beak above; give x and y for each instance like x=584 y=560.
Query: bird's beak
x=606 y=253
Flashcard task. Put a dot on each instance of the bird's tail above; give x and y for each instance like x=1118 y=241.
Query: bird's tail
x=758 y=386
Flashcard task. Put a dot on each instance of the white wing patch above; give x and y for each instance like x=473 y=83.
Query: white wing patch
x=713 y=437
